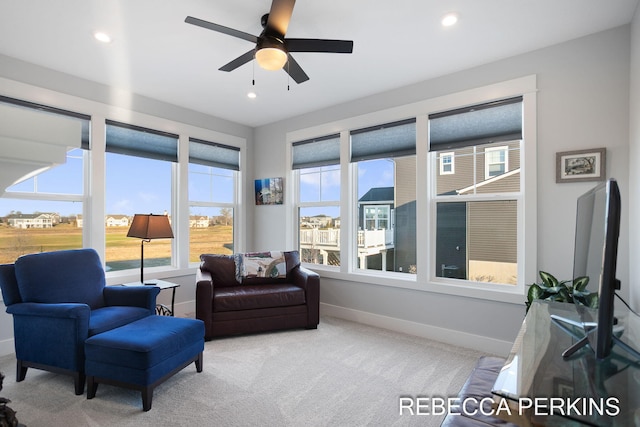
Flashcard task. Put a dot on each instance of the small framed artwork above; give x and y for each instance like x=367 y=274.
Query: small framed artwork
x=581 y=165
x=269 y=191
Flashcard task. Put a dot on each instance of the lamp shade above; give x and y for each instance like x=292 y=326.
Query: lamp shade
x=271 y=58
x=150 y=226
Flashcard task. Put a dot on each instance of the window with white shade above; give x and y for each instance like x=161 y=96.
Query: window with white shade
x=213 y=169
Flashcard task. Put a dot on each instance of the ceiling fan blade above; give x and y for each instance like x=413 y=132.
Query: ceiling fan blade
x=319 y=45
x=241 y=60
x=295 y=70
x=221 y=29
x=280 y=15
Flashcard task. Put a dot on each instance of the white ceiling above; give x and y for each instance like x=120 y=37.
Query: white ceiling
x=155 y=54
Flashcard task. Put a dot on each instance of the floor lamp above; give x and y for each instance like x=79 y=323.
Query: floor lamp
x=148 y=227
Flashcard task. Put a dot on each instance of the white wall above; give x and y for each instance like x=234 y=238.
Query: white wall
x=583 y=102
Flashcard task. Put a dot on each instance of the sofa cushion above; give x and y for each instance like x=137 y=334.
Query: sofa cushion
x=251 y=297
x=107 y=318
x=61 y=276
x=221 y=267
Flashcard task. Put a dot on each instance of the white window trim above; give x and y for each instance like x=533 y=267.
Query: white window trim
x=450 y=155
x=487 y=163
x=527 y=238
x=93 y=199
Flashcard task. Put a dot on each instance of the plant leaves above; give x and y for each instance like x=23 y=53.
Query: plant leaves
x=548 y=279
x=535 y=292
x=580 y=283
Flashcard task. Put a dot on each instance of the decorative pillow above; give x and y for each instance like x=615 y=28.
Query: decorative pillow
x=221 y=267
x=264 y=264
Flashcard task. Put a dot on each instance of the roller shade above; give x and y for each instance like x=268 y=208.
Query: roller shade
x=84 y=119
x=479 y=124
x=138 y=141
x=214 y=154
x=395 y=139
x=316 y=152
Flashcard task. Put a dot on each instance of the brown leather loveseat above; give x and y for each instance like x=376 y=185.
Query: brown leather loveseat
x=232 y=303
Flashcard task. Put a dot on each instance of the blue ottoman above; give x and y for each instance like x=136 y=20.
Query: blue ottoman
x=143 y=354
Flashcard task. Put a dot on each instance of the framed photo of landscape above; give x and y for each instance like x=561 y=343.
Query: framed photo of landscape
x=581 y=165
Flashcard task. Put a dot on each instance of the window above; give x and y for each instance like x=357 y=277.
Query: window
x=139 y=179
x=477 y=225
x=212 y=188
x=447 y=163
x=376 y=217
x=317 y=163
x=42 y=207
x=496 y=161
x=384 y=159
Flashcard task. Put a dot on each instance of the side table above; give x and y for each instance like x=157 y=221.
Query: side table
x=161 y=309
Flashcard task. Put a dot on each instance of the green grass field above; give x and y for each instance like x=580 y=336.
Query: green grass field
x=121 y=251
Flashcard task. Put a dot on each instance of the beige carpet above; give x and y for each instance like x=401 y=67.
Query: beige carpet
x=342 y=374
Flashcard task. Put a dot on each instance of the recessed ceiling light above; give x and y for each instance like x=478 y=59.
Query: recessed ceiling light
x=449 y=19
x=252 y=95
x=102 y=37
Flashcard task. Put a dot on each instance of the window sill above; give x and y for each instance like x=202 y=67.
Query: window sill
x=502 y=293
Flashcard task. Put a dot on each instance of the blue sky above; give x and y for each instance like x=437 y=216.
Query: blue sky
x=139 y=185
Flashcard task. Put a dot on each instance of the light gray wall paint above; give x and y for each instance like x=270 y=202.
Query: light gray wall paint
x=634 y=161
x=583 y=102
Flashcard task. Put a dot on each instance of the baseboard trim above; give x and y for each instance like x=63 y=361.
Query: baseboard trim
x=448 y=336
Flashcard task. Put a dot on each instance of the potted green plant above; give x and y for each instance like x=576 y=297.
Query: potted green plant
x=569 y=291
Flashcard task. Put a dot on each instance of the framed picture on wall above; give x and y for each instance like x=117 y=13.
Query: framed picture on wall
x=581 y=165
x=269 y=191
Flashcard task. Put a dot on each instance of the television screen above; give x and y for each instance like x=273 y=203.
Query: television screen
x=595 y=256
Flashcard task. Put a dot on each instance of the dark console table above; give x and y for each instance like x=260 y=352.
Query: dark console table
x=566 y=392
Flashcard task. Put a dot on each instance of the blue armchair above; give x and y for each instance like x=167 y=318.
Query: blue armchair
x=59 y=299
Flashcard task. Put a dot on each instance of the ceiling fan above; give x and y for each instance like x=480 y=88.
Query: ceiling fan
x=272 y=50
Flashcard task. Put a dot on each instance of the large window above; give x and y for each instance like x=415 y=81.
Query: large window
x=317 y=162
x=139 y=179
x=212 y=196
x=42 y=167
x=385 y=161
x=477 y=224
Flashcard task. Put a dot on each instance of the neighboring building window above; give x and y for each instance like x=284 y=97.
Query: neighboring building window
x=447 y=163
x=213 y=170
x=41 y=209
x=385 y=161
x=376 y=217
x=139 y=179
x=496 y=160
x=476 y=235
x=317 y=163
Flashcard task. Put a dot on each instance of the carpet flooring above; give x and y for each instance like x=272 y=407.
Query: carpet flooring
x=342 y=374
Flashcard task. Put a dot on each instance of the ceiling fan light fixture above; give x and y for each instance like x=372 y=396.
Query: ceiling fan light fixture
x=271 y=58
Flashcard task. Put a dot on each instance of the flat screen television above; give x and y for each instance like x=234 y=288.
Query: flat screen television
x=595 y=257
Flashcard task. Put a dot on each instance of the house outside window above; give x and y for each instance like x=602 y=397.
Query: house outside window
x=213 y=170
x=43 y=203
x=477 y=224
x=383 y=157
x=317 y=166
